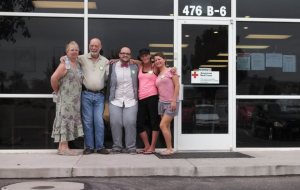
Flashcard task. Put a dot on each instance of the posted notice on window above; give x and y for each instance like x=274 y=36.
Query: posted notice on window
x=243 y=61
x=205 y=77
x=273 y=59
x=258 y=61
x=289 y=63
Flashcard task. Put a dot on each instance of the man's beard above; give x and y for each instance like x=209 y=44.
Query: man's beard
x=94 y=53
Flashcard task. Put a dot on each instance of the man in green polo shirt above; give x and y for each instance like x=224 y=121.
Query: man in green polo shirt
x=92 y=98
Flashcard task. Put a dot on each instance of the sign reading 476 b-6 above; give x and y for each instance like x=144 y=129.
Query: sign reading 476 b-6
x=197 y=10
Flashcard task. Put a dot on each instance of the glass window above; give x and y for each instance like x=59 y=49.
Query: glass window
x=205 y=110
x=30 y=53
x=50 y=6
x=26 y=123
x=268 y=123
x=133 y=7
x=210 y=8
x=268 y=8
x=135 y=34
x=267 y=58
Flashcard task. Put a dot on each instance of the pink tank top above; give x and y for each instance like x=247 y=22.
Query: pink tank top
x=147 y=86
x=165 y=85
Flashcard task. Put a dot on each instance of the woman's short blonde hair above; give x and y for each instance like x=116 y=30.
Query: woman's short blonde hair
x=72 y=43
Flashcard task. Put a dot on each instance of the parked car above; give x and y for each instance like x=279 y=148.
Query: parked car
x=244 y=114
x=206 y=115
x=188 y=116
x=274 y=122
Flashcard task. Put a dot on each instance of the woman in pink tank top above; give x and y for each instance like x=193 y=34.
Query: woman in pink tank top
x=148 y=99
x=167 y=84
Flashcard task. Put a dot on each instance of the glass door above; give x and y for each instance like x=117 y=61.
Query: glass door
x=203 y=61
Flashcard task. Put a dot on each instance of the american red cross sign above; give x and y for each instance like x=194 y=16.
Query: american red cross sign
x=195 y=75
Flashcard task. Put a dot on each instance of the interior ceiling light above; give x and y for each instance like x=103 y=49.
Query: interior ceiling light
x=217 y=61
x=216 y=32
x=223 y=54
x=265 y=36
x=246 y=27
x=251 y=47
x=63 y=4
x=247 y=16
x=213 y=65
x=167 y=60
x=171 y=14
x=165 y=53
x=166 y=45
x=187 y=36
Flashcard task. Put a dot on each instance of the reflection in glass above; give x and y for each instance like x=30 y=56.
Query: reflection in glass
x=27 y=124
x=272 y=64
x=205 y=106
x=133 y=7
x=206 y=49
x=50 y=6
x=30 y=53
x=268 y=123
x=135 y=34
x=205 y=110
x=268 y=8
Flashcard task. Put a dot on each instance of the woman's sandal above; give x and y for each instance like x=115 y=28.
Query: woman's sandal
x=141 y=151
x=59 y=152
x=69 y=152
x=164 y=153
x=149 y=152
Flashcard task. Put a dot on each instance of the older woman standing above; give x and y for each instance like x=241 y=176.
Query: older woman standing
x=167 y=84
x=67 y=84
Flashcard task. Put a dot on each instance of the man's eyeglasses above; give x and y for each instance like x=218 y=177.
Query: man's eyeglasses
x=125 y=54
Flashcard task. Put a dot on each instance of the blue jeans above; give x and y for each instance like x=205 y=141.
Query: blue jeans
x=92 y=107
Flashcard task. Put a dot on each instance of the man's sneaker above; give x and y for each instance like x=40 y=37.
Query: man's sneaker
x=125 y=151
x=115 y=151
x=132 y=152
x=88 y=151
x=102 y=151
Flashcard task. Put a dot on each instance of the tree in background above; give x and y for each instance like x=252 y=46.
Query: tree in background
x=11 y=24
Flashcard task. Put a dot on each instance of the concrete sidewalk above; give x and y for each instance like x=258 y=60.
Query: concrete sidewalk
x=50 y=165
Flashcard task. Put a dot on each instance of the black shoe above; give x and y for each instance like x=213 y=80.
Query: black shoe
x=88 y=151
x=132 y=152
x=102 y=151
x=115 y=151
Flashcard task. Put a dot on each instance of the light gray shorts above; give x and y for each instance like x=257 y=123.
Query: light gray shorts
x=164 y=109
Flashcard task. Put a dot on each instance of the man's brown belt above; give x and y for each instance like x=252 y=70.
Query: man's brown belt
x=93 y=91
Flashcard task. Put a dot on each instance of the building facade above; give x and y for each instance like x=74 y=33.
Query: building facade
x=237 y=61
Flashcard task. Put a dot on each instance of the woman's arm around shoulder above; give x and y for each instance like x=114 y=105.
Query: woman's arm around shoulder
x=137 y=62
x=59 y=73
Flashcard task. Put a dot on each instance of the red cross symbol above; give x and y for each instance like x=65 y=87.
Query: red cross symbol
x=195 y=75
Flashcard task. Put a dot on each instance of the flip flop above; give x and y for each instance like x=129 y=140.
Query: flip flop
x=164 y=153
x=149 y=152
x=141 y=151
x=69 y=152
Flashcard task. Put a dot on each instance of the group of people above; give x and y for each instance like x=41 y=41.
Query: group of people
x=134 y=90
